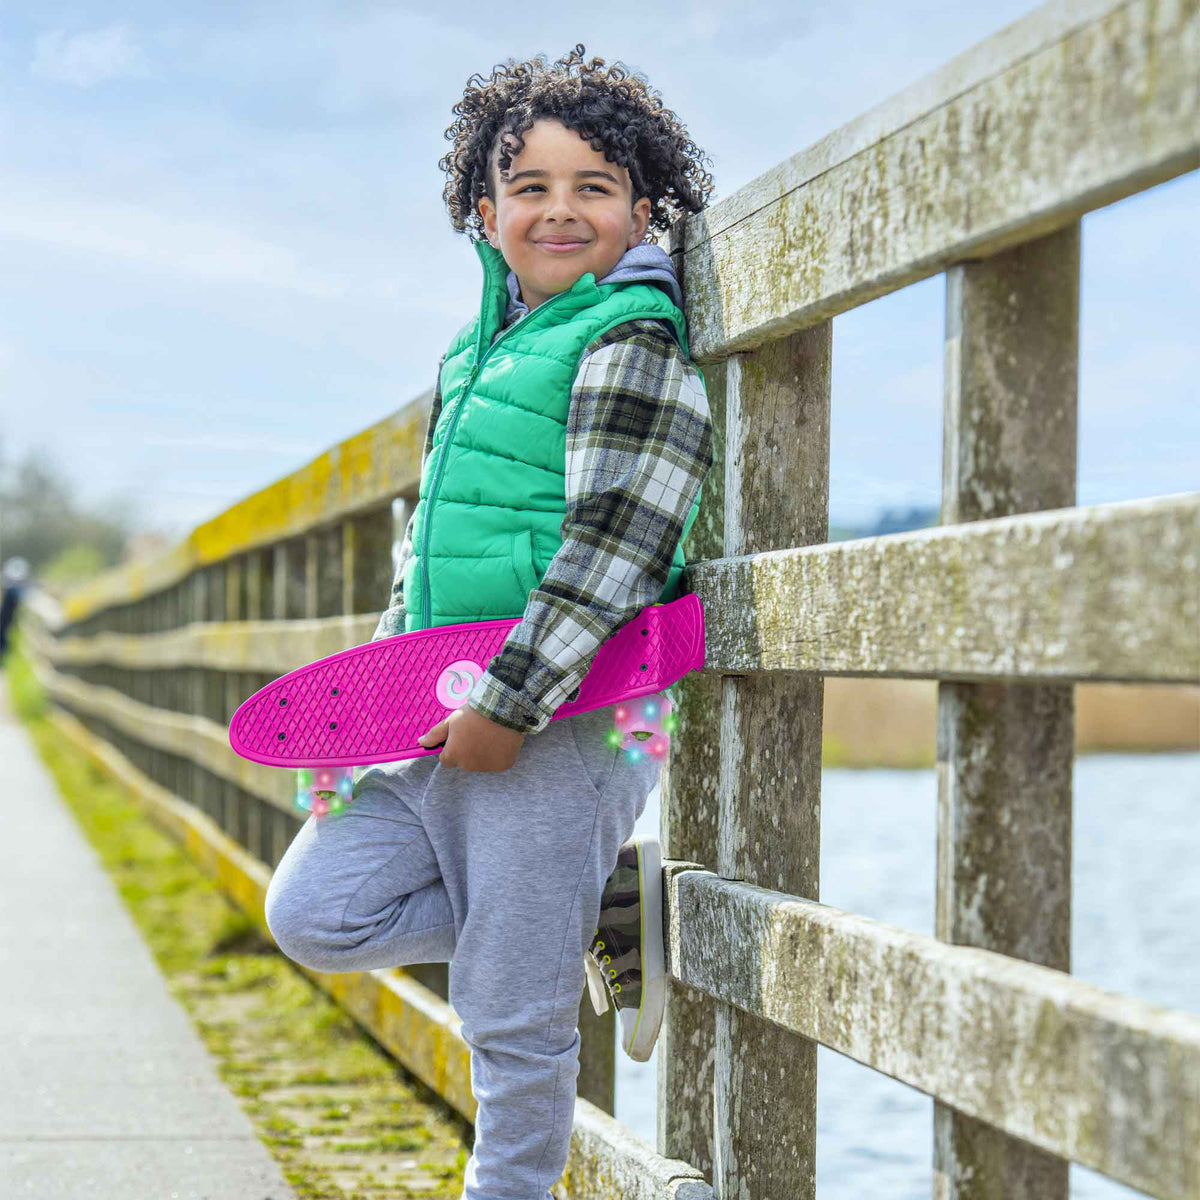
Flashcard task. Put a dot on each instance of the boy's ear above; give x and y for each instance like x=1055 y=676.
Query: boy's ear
x=487 y=209
x=641 y=218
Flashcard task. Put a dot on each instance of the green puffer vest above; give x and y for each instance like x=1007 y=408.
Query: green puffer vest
x=492 y=496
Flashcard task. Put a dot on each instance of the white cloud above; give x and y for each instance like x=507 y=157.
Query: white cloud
x=85 y=59
x=200 y=249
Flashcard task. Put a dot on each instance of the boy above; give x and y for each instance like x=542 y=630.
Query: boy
x=557 y=484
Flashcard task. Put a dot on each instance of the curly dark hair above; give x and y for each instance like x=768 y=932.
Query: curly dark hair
x=613 y=108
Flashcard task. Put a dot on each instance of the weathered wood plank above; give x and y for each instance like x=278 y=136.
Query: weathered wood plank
x=268 y=646
x=1105 y=1080
x=607 y=1161
x=1072 y=108
x=1005 y=752
x=1107 y=592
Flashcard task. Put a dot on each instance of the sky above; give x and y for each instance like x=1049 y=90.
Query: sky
x=223 y=244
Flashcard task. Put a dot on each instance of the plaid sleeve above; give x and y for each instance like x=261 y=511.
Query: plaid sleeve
x=639 y=445
x=391 y=620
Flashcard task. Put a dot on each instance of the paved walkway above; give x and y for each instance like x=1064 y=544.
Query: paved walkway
x=106 y=1090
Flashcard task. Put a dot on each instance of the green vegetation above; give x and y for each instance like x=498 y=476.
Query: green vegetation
x=73 y=564
x=63 y=538
x=344 y=1120
x=27 y=695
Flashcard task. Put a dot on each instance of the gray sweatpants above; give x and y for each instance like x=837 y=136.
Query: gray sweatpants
x=498 y=873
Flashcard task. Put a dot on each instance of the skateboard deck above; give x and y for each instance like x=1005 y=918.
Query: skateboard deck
x=372 y=702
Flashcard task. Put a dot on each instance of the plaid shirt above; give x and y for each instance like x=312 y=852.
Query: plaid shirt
x=639 y=446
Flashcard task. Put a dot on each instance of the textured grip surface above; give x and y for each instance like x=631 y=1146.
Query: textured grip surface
x=370 y=703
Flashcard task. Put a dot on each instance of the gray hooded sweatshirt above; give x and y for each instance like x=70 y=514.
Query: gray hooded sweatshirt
x=644 y=261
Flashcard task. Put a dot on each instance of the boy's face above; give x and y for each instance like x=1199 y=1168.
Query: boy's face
x=595 y=211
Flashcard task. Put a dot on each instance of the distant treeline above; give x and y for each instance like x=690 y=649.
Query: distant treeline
x=62 y=539
x=890 y=520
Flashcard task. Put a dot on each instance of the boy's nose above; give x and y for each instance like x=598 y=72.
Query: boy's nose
x=559 y=206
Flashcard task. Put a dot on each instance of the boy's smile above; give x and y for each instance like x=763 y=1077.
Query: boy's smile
x=562 y=209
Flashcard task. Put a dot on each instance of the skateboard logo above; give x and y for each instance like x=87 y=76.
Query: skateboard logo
x=456 y=681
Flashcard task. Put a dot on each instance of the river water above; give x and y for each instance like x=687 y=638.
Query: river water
x=1135 y=930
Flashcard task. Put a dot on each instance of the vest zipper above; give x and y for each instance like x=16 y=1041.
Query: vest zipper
x=462 y=396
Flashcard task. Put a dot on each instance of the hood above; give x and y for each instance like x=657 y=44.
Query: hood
x=645 y=261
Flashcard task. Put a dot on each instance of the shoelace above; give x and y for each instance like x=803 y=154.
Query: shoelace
x=599 y=982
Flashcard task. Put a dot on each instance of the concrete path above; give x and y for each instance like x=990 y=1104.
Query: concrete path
x=106 y=1090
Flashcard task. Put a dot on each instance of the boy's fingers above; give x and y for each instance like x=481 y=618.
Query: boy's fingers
x=434 y=735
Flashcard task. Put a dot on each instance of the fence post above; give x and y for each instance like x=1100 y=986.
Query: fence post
x=367 y=561
x=253 y=566
x=597 y=1079
x=1005 y=751
x=200 y=595
x=198 y=586
x=233 y=588
x=769 y=827
x=350 y=556
x=330 y=592
x=312 y=582
x=688 y=833
x=279 y=583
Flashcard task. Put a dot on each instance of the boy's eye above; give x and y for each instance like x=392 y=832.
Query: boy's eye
x=591 y=185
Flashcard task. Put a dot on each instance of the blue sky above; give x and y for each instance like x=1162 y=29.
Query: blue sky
x=223 y=245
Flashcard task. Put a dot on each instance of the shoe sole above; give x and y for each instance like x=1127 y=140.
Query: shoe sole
x=654 y=963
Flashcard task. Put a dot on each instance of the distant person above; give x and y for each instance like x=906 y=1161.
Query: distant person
x=13 y=576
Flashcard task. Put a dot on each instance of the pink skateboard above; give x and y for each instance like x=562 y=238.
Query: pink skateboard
x=371 y=703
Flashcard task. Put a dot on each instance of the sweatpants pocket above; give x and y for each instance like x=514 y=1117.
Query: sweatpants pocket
x=598 y=755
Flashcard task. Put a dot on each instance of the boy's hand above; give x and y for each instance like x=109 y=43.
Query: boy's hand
x=473 y=742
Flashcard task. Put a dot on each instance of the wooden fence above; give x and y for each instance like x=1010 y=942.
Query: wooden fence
x=981 y=171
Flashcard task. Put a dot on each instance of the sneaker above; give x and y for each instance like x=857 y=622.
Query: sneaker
x=626 y=958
